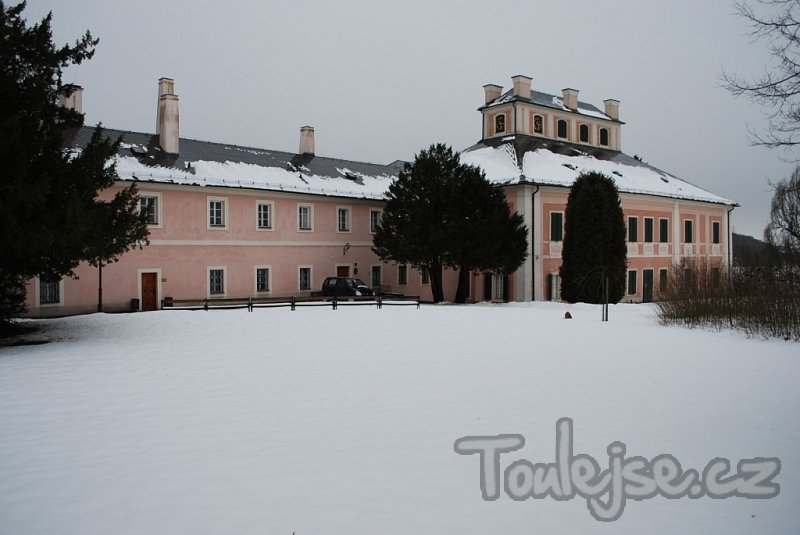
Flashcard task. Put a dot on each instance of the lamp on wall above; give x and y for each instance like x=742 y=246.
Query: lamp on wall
x=345 y=248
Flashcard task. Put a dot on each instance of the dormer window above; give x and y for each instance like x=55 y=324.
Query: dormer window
x=500 y=123
x=604 y=137
x=584 y=133
x=562 y=128
x=538 y=124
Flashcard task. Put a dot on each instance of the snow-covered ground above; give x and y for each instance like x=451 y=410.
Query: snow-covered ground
x=344 y=422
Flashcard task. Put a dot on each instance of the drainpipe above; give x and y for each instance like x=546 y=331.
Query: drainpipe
x=730 y=239
x=99 y=286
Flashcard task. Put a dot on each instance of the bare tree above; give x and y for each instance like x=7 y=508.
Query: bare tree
x=778 y=89
x=783 y=229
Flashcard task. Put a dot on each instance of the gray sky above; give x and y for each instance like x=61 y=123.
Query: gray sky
x=381 y=80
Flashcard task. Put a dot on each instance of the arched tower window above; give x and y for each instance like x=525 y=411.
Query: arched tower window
x=500 y=123
x=604 y=137
x=562 y=128
x=584 y=133
x=538 y=124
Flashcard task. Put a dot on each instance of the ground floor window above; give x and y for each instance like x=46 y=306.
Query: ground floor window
x=304 y=278
x=216 y=281
x=632 y=282
x=375 y=276
x=49 y=291
x=402 y=274
x=663 y=275
x=425 y=276
x=262 y=279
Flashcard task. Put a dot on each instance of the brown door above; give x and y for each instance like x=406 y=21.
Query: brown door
x=149 y=291
x=342 y=271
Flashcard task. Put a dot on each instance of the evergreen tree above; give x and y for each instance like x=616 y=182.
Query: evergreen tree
x=412 y=227
x=441 y=212
x=51 y=216
x=594 y=249
x=485 y=235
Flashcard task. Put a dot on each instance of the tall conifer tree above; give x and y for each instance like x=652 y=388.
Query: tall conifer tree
x=594 y=252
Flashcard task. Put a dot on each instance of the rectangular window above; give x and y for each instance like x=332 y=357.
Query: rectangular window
x=49 y=291
x=402 y=274
x=148 y=205
x=343 y=219
x=687 y=231
x=264 y=215
x=425 y=276
x=375 y=276
x=304 y=217
x=556 y=226
x=216 y=281
x=304 y=278
x=632 y=282
x=648 y=230
x=633 y=229
x=216 y=213
x=663 y=230
x=715 y=232
x=374 y=220
x=663 y=275
x=262 y=279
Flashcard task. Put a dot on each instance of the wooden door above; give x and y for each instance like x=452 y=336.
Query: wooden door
x=647 y=285
x=342 y=271
x=149 y=291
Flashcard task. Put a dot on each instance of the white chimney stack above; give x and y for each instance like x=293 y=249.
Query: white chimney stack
x=307 y=140
x=492 y=92
x=570 y=98
x=71 y=97
x=167 y=121
x=522 y=86
x=612 y=108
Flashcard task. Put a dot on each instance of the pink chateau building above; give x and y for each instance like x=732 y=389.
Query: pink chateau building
x=229 y=221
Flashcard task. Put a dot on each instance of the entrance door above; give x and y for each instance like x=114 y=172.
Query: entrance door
x=342 y=271
x=647 y=285
x=149 y=291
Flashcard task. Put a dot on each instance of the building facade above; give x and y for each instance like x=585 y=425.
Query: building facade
x=231 y=222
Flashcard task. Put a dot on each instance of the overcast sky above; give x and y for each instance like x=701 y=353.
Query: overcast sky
x=381 y=80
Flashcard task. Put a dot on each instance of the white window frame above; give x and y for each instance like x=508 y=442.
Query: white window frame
x=628 y=229
x=660 y=237
x=310 y=278
x=224 y=292
x=399 y=282
x=694 y=239
x=635 y=280
x=269 y=280
x=600 y=137
x=588 y=133
x=38 y=294
x=652 y=229
x=374 y=228
x=271 y=205
x=424 y=277
x=380 y=275
x=158 y=211
x=566 y=122
x=224 y=201
x=550 y=238
x=718 y=226
x=310 y=207
x=348 y=219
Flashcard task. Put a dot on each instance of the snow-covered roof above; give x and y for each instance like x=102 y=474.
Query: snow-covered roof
x=203 y=163
x=546 y=167
x=550 y=101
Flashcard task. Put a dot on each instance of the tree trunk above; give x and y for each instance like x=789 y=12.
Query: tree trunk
x=436 y=281
x=462 y=292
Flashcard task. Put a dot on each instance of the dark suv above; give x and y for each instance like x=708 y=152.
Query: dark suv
x=337 y=286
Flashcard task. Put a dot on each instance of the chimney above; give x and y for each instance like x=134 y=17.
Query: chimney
x=612 y=108
x=167 y=120
x=492 y=92
x=522 y=86
x=570 y=98
x=307 y=140
x=71 y=97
